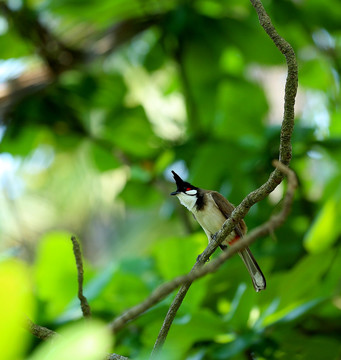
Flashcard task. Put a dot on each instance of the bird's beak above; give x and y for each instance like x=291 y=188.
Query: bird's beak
x=179 y=183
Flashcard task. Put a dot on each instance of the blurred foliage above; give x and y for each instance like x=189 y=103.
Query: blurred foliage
x=200 y=91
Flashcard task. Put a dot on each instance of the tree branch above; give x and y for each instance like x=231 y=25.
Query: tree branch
x=38 y=331
x=162 y=291
x=44 y=333
x=60 y=57
x=276 y=177
x=116 y=357
x=57 y=55
x=291 y=83
x=78 y=256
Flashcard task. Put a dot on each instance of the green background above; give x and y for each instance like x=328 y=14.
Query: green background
x=197 y=88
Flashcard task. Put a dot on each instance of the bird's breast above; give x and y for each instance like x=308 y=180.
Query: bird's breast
x=210 y=218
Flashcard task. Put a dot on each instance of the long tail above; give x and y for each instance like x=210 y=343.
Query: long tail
x=258 y=279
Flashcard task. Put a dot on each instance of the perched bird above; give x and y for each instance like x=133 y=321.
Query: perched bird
x=211 y=210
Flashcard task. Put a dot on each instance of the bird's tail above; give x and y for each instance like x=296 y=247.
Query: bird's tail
x=258 y=279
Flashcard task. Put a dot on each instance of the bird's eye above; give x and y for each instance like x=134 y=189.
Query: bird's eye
x=190 y=191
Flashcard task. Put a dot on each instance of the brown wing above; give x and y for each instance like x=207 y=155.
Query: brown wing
x=253 y=268
x=226 y=208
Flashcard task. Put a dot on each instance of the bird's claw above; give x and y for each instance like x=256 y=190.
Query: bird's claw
x=214 y=237
x=199 y=256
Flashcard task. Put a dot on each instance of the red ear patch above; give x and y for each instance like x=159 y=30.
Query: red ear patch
x=188 y=189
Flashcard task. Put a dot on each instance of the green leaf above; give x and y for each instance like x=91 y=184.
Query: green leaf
x=291 y=312
x=110 y=93
x=131 y=131
x=102 y=158
x=124 y=291
x=300 y=310
x=176 y=256
x=232 y=61
x=169 y=254
x=225 y=170
x=16 y=300
x=83 y=341
x=294 y=344
x=233 y=118
x=202 y=325
x=335 y=124
x=325 y=229
x=56 y=272
x=239 y=345
x=163 y=161
x=300 y=283
x=316 y=74
x=12 y=45
x=140 y=194
x=24 y=141
x=299 y=290
x=241 y=306
x=258 y=49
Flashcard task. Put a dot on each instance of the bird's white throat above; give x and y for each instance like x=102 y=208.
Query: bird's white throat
x=187 y=201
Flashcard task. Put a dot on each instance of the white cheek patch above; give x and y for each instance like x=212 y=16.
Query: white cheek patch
x=191 y=192
x=187 y=201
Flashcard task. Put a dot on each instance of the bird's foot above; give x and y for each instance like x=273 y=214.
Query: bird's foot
x=214 y=237
x=199 y=256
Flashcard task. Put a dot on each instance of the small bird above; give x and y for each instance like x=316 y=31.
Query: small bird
x=211 y=209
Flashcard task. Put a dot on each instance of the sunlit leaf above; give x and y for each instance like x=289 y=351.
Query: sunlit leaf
x=85 y=341
x=164 y=160
x=325 y=229
x=316 y=74
x=56 y=271
x=103 y=158
x=131 y=132
x=176 y=256
x=16 y=302
x=292 y=312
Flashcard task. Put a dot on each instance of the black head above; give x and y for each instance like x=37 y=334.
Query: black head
x=183 y=186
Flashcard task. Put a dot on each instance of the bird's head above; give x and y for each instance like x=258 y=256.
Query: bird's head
x=183 y=187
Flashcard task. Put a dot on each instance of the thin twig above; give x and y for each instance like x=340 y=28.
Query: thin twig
x=275 y=221
x=116 y=357
x=99 y=45
x=38 y=331
x=44 y=333
x=275 y=178
x=78 y=256
x=166 y=288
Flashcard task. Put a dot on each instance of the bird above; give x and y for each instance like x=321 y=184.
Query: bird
x=211 y=209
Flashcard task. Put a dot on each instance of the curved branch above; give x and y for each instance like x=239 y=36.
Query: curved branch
x=276 y=177
x=162 y=291
x=79 y=262
x=38 y=331
x=291 y=82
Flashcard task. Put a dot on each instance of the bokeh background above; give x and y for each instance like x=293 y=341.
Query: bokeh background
x=99 y=101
